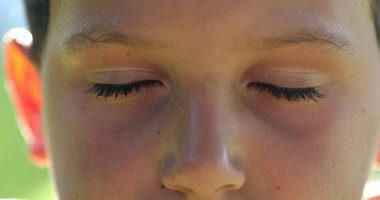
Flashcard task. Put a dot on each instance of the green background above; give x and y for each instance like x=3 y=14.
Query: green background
x=18 y=177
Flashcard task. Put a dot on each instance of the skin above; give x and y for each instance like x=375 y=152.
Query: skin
x=203 y=133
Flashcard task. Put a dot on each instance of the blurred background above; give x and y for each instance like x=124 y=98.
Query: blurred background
x=18 y=177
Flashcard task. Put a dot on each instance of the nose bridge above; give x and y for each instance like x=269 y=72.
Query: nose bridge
x=202 y=165
x=206 y=136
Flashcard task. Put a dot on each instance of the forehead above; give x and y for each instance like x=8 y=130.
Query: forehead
x=142 y=10
x=206 y=23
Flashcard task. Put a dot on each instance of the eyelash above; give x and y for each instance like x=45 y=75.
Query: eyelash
x=290 y=94
x=120 y=90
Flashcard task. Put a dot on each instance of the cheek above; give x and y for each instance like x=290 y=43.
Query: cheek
x=119 y=164
x=99 y=149
x=323 y=147
x=94 y=154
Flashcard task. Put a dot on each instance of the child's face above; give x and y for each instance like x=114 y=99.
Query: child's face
x=249 y=99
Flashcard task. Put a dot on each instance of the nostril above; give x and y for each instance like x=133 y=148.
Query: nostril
x=180 y=189
x=229 y=187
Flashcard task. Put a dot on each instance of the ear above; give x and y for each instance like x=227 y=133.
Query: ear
x=24 y=87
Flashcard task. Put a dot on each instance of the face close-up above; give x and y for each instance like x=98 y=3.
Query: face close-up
x=211 y=100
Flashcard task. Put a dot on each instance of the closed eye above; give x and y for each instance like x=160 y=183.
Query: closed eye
x=289 y=94
x=121 y=90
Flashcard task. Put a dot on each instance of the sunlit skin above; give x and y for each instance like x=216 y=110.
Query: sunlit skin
x=204 y=130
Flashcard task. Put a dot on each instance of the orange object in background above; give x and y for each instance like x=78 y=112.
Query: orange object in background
x=20 y=72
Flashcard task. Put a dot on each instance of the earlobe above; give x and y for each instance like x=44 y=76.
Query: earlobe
x=24 y=87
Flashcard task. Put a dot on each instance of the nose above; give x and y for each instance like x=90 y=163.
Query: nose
x=202 y=176
x=203 y=167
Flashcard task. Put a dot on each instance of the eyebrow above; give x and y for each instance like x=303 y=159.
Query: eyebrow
x=320 y=37
x=330 y=40
x=88 y=38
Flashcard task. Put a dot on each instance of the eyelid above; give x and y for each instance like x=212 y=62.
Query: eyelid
x=287 y=79
x=290 y=94
x=118 y=77
x=117 y=90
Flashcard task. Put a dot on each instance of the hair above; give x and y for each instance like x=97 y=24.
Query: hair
x=375 y=5
x=38 y=15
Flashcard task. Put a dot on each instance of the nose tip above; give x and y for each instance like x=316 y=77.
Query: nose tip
x=203 y=177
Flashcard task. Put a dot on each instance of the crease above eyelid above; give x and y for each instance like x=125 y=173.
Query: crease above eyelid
x=121 y=77
x=288 y=79
x=255 y=84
